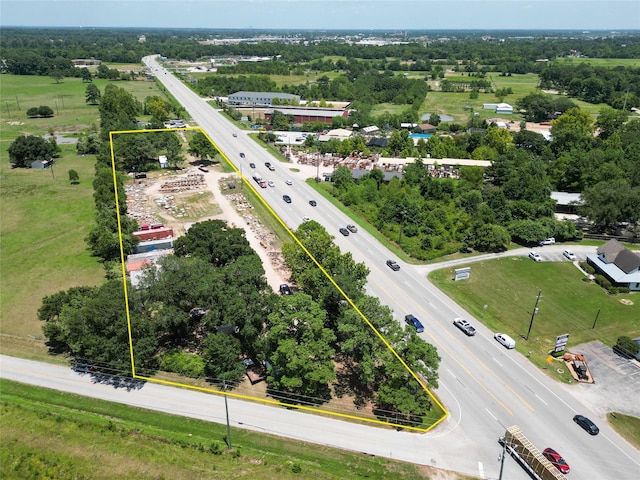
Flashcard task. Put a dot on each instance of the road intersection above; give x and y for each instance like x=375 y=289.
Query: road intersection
x=485 y=387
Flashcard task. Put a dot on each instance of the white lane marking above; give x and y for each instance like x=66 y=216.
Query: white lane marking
x=540 y=398
x=492 y=415
x=496 y=360
x=481 y=469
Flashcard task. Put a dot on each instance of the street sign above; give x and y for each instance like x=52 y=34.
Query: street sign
x=561 y=342
x=462 y=273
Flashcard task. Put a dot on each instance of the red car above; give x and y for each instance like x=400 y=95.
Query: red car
x=556 y=459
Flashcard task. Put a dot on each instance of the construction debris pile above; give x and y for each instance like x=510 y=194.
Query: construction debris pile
x=577 y=365
x=191 y=181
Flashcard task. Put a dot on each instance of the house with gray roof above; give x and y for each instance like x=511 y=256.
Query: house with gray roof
x=619 y=264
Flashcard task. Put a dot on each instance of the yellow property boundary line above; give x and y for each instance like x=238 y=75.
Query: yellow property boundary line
x=326 y=274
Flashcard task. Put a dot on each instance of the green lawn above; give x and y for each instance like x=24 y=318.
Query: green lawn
x=44 y=222
x=43 y=218
x=509 y=287
x=628 y=427
x=103 y=440
x=602 y=62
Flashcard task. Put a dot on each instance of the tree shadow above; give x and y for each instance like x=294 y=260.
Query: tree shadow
x=349 y=383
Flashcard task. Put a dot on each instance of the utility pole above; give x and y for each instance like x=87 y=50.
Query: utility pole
x=533 y=314
x=504 y=451
x=226 y=408
x=594 y=322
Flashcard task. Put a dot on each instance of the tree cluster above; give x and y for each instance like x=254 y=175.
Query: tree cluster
x=26 y=149
x=617 y=87
x=42 y=111
x=208 y=306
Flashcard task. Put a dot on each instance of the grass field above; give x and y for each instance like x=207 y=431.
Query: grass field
x=43 y=218
x=103 y=440
x=509 y=286
x=628 y=427
x=602 y=62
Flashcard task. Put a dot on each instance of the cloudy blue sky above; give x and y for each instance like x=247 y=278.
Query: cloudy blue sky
x=327 y=14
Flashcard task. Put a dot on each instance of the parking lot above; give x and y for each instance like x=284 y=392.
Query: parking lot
x=617 y=381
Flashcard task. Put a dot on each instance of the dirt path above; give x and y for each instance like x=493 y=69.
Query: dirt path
x=148 y=203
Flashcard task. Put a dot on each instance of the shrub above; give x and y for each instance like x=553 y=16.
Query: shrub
x=215 y=448
x=623 y=290
x=603 y=282
x=587 y=268
x=187 y=364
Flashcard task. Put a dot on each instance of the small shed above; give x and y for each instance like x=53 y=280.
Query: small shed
x=164 y=163
x=40 y=164
x=504 y=108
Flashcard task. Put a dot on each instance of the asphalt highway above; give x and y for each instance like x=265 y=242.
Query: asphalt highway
x=485 y=387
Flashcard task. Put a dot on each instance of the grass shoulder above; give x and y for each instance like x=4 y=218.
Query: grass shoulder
x=628 y=427
x=95 y=438
x=509 y=287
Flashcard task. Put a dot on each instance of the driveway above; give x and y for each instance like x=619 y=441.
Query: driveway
x=617 y=381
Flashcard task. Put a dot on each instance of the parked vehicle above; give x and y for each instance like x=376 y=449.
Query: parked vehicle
x=285 y=289
x=547 y=241
x=505 y=340
x=414 y=322
x=465 y=326
x=556 y=459
x=569 y=255
x=586 y=424
x=393 y=265
x=535 y=256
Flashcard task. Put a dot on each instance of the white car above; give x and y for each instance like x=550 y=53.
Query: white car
x=569 y=255
x=271 y=183
x=547 y=241
x=505 y=340
x=535 y=256
x=288 y=182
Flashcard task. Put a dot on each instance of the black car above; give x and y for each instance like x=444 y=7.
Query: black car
x=252 y=165
x=344 y=231
x=393 y=265
x=285 y=289
x=313 y=203
x=286 y=198
x=241 y=155
x=586 y=424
